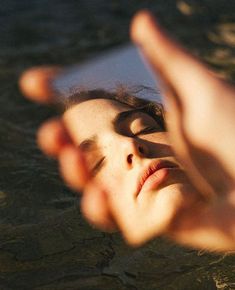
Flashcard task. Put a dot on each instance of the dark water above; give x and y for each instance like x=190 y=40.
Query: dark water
x=44 y=242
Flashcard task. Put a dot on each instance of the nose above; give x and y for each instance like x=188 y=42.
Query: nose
x=125 y=151
x=133 y=151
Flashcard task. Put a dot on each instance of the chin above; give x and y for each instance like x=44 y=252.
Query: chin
x=177 y=196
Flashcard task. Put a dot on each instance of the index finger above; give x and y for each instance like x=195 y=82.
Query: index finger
x=37 y=83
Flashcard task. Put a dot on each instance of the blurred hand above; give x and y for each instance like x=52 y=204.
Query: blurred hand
x=201 y=119
x=201 y=109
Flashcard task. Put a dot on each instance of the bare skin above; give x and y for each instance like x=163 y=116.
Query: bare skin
x=200 y=124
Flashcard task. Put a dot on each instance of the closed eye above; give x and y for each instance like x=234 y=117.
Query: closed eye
x=97 y=166
x=147 y=130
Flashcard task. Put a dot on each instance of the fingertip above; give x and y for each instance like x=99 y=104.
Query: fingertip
x=153 y=41
x=52 y=137
x=95 y=208
x=36 y=83
x=141 y=22
x=73 y=167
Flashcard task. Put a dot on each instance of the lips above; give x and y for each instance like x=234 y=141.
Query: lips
x=153 y=174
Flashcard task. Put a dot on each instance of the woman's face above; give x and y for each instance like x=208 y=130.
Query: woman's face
x=128 y=153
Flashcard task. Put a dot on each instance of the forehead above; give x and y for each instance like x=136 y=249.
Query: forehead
x=96 y=105
x=90 y=117
x=96 y=108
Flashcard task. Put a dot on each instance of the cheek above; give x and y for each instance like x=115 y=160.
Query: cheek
x=115 y=180
x=110 y=179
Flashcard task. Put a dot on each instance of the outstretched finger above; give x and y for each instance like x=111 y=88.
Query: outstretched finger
x=52 y=137
x=95 y=207
x=37 y=83
x=73 y=167
x=185 y=74
x=183 y=77
x=75 y=173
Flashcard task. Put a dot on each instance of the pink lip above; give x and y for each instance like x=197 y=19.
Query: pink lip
x=150 y=175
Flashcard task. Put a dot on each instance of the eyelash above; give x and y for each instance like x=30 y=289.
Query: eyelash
x=97 y=166
x=146 y=131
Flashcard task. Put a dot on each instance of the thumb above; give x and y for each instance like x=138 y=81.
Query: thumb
x=182 y=71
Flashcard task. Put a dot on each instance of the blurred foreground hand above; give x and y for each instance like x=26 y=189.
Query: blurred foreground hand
x=201 y=122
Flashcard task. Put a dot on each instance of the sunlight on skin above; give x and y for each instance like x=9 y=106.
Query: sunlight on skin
x=36 y=83
x=194 y=101
x=211 y=227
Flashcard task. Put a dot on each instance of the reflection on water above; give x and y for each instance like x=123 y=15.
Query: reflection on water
x=44 y=242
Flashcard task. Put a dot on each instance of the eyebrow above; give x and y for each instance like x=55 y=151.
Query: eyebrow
x=89 y=144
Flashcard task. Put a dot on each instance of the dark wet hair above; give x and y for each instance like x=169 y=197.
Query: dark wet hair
x=122 y=95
